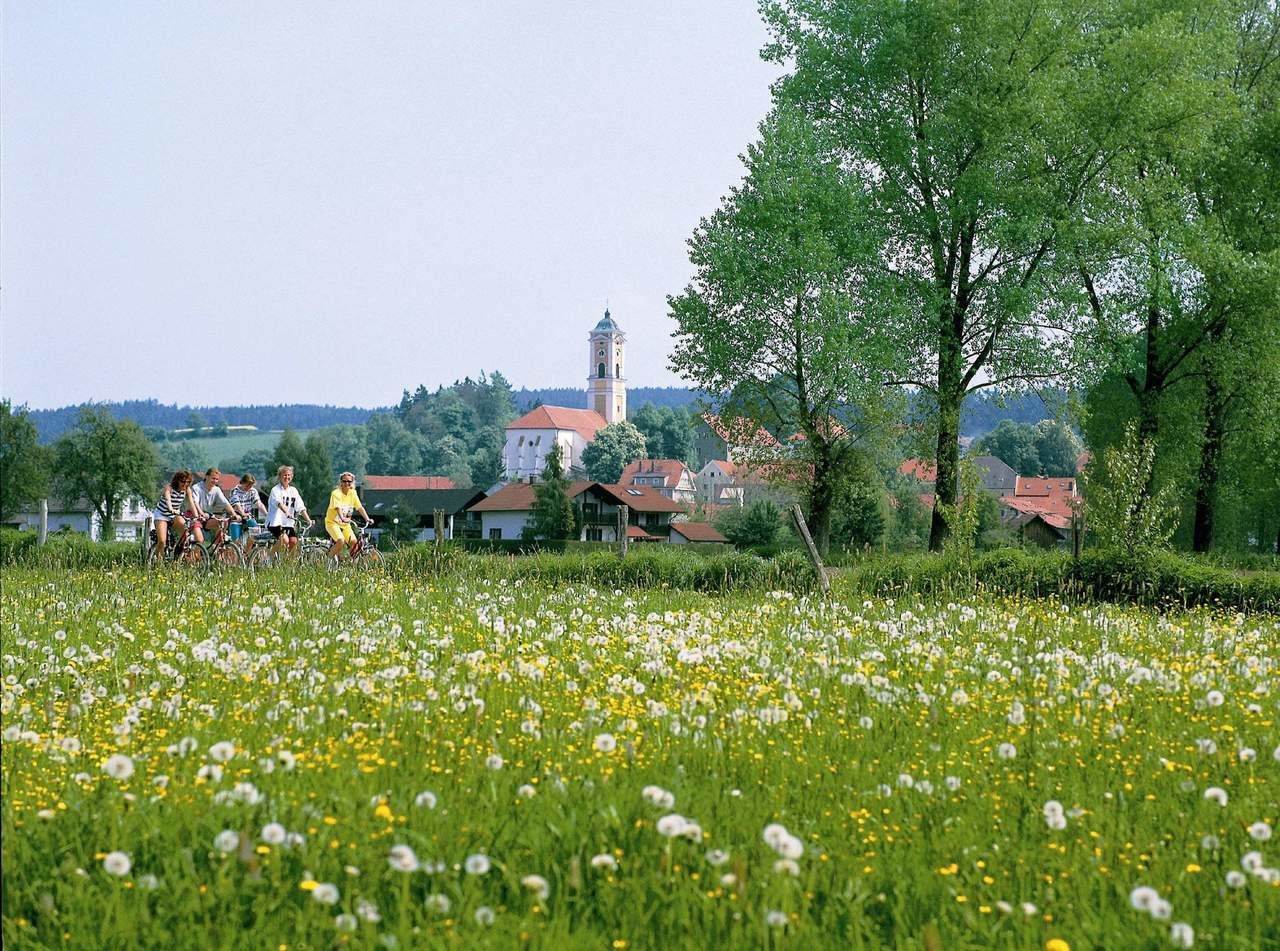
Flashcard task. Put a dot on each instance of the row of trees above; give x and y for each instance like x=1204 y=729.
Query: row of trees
x=952 y=197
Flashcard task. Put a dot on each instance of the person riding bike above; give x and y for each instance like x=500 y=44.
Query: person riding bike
x=245 y=497
x=176 y=510
x=218 y=509
x=284 y=505
x=343 y=501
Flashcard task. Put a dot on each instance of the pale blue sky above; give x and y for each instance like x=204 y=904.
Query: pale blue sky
x=375 y=195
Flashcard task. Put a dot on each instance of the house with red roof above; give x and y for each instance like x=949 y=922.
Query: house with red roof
x=531 y=437
x=506 y=512
x=671 y=477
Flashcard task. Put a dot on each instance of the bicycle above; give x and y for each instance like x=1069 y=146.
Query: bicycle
x=366 y=552
x=223 y=552
x=311 y=550
x=184 y=550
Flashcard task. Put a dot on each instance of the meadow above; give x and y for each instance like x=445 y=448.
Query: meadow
x=295 y=760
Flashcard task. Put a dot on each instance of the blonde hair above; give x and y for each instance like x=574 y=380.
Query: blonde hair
x=346 y=475
x=282 y=470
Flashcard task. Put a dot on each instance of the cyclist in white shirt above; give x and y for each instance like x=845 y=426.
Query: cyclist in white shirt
x=284 y=506
x=218 y=509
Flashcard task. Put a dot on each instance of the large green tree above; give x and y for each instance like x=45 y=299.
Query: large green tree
x=1182 y=267
x=393 y=449
x=25 y=465
x=105 y=460
x=667 y=431
x=1012 y=443
x=552 y=516
x=614 y=448
x=781 y=311
x=979 y=133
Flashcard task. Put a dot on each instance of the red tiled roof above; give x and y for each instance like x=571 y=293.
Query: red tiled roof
x=584 y=422
x=670 y=469
x=1059 y=506
x=642 y=498
x=1041 y=486
x=728 y=468
x=739 y=431
x=635 y=531
x=922 y=469
x=407 y=482
x=519 y=496
x=698 y=531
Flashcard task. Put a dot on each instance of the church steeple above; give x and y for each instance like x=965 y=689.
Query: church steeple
x=606 y=382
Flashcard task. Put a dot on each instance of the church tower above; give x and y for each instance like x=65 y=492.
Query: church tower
x=606 y=384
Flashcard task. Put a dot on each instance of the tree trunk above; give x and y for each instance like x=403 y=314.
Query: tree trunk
x=950 y=396
x=106 y=532
x=821 y=499
x=1210 y=458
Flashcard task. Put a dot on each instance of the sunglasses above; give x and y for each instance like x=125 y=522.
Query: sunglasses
x=348 y=481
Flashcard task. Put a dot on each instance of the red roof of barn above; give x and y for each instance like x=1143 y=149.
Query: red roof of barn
x=698 y=531
x=585 y=422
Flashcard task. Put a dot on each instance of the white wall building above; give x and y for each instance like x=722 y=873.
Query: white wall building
x=531 y=437
x=606 y=382
x=81 y=517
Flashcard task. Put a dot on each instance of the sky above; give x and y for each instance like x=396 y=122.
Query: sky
x=229 y=203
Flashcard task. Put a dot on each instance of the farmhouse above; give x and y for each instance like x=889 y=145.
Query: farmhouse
x=671 y=477
x=420 y=506
x=505 y=514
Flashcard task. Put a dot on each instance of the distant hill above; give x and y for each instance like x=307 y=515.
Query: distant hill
x=52 y=423
x=980 y=414
x=637 y=396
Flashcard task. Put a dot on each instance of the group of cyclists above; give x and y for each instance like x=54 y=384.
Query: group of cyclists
x=201 y=506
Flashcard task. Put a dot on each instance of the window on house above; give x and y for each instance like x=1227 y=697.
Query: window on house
x=617 y=369
x=634 y=492
x=495 y=534
x=600 y=369
x=595 y=534
x=590 y=508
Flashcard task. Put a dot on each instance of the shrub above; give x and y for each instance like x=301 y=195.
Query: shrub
x=1149 y=578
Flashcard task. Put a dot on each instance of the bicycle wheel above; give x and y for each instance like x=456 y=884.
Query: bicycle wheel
x=370 y=558
x=150 y=555
x=225 y=556
x=194 y=555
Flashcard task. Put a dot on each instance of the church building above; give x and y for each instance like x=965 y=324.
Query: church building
x=531 y=437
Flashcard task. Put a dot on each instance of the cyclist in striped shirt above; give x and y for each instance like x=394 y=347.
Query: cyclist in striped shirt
x=175 y=508
x=245 y=497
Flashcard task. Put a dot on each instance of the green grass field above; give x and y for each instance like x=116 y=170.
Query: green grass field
x=291 y=760
x=218 y=451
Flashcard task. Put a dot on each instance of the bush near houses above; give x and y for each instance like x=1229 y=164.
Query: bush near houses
x=1156 y=578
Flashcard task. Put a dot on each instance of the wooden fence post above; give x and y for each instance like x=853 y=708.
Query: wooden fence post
x=803 y=528
x=42 y=533
x=624 y=517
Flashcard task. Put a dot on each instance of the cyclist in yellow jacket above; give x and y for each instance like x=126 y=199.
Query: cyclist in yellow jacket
x=343 y=501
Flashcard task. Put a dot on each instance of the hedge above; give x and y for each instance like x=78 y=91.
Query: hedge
x=1160 y=579
x=69 y=550
x=644 y=567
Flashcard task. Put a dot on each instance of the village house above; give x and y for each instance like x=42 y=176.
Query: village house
x=505 y=513
x=420 y=505
x=81 y=517
x=1039 y=508
x=696 y=533
x=671 y=477
x=717 y=482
